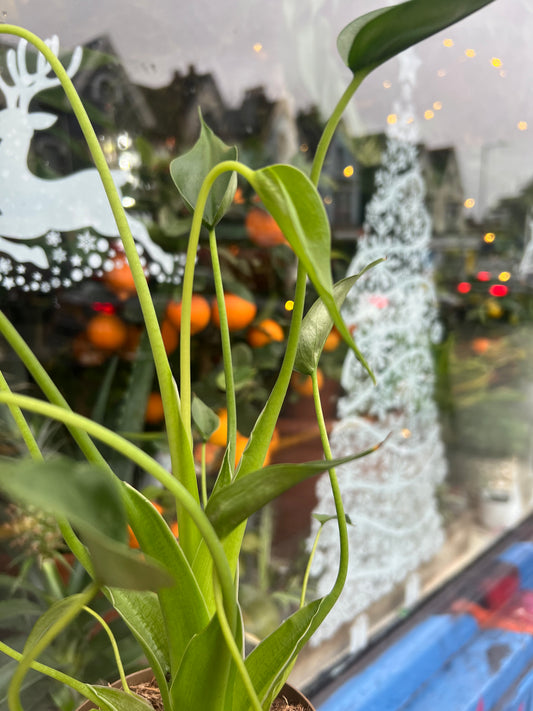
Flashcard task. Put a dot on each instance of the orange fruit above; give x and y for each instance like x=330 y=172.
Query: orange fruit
x=274 y=444
x=107 y=331
x=262 y=228
x=132 y=538
x=120 y=278
x=174 y=528
x=240 y=444
x=303 y=384
x=200 y=313
x=220 y=435
x=333 y=340
x=154 y=414
x=240 y=312
x=170 y=336
x=265 y=332
x=480 y=345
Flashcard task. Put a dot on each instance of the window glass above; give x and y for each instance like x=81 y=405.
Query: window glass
x=429 y=170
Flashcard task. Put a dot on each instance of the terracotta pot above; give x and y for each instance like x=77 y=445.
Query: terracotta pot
x=292 y=695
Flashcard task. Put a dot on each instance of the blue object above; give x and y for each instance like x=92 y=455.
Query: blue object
x=407 y=664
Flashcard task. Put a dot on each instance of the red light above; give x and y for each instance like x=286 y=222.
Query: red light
x=103 y=307
x=483 y=276
x=498 y=290
x=464 y=287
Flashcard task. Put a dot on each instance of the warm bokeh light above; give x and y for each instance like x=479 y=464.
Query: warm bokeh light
x=496 y=62
x=484 y=276
x=498 y=290
x=447 y=42
x=348 y=171
x=441 y=73
x=258 y=47
x=504 y=276
x=464 y=287
x=437 y=105
x=470 y=53
x=522 y=125
x=428 y=115
x=304 y=147
x=406 y=433
x=391 y=119
x=387 y=84
x=489 y=237
x=328 y=199
x=289 y=305
x=469 y=203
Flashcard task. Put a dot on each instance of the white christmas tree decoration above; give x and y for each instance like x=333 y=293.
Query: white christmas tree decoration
x=389 y=495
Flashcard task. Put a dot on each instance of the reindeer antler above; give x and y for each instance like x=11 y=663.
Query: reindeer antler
x=27 y=84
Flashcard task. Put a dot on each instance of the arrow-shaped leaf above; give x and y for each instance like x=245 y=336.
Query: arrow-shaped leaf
x=373 y=38
x=295 y=204
x=189 y=170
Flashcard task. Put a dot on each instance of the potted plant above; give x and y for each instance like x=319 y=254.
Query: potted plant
x=180 y=597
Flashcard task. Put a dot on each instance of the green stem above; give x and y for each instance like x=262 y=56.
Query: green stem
x=52 y=578
x=231 y=403
x=114 y=645
x=47 y=385
x=61 y=677
x=331 y=126
x=22 y=424
x=144 y=461
x=333 y=596
x=167 y=387
x=308 y=567
x=234 y=651
x=51 y=391
x=203 y=475
x=13 y=694
x=254 y=454
x=188 y=278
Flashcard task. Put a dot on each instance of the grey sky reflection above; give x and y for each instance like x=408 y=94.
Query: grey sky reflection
x=480 y=105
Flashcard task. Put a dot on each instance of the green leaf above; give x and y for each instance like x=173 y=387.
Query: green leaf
x=141 y=612
x=117 y=566
x=48 y=619
x=374 y=38
x=85 y=494
x=118 y=700
x=295 y=204
x=207 y=651
x=205 y=420
x=270 y=662
x=189 y=171
x=318 y=323
x=9 y=609
x=90 y=498
x=183 y=606
x=232 y=505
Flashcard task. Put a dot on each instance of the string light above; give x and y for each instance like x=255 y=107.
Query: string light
x=348 y=171
x=469 y=203
x=489 y=237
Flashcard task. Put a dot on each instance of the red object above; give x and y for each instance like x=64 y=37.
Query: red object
x=103 y=307
x=464 y=287
x=483 y=276
x=498 y=290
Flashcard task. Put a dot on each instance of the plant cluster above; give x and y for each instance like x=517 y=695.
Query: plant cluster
x=180 y=598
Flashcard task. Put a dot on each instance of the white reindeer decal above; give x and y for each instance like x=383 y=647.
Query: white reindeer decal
x=31 y=206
